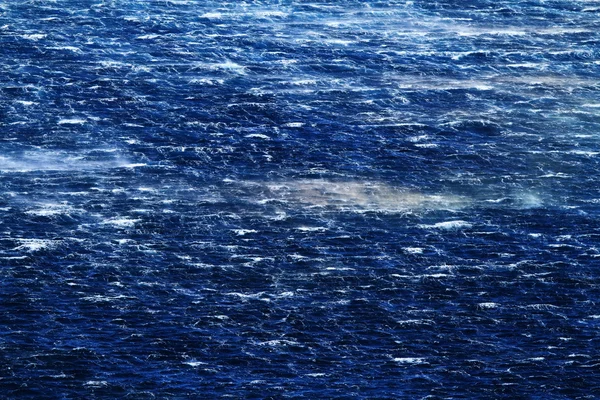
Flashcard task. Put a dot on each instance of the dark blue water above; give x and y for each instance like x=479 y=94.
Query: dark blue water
x=299 y=199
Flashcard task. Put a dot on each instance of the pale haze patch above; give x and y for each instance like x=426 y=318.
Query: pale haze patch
x=353 y=195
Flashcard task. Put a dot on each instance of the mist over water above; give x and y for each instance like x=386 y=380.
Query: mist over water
x=301 y=199
x=351 y=195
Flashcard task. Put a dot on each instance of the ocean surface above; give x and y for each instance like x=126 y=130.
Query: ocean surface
x=301 y=199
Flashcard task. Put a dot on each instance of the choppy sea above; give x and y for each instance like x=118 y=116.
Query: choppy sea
x=299 y=199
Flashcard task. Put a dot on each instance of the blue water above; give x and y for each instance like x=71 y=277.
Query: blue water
x=299 y=199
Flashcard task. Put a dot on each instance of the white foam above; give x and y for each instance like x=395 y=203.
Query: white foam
x=415 y=139
x=311 y=228
x=555 y=175
x=409 y=360
x=258 y=135
x=279 y=343
x=488 y=305
x=528 y=65
x=246 y=296
x=147 y=37
x=540 y=306
x=290 y=61
x=443 y=267
x=338 y=41
x=339 y=269
x=96 y=383
x=72 y=121
x=68 y=48
x=587 y=153
x=98 y=298
x=62 y=375
x=34 y=36
x=26 y=103
x=243 y=232
x=495 y=32
x=47 y=210
x=438 y=275
x=207 y=81
x=32 y=245
x=270 y=13
x=228 y=66
x=415 y=322
x=121 y=222
x=456 y=224
x=212 y=15
x=285 y=295
x=133 y=165
x=413 y=250
x=194 y=363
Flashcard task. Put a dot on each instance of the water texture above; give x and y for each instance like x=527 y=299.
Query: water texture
x=299 y=199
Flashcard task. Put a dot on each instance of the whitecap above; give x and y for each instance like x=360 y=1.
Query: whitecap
x=339 y=41
x=72 y=121
x=456 y=224
x=587 y=153
x=228 y=66
x=122 y=222
x=68 y=48
x=245 y=296
x=244 y=232
x=96 y=383
x=212 y=15
x=415 y=139
x=147 y=37
x=284 y=295
x=133 y=165
x=487 y=305
x=311 y=228
x=48 y=210
x=409 y=360
x=339 y=269
x=270 y=13
x=279 y=343
x=555 y=175
x=413 y=250
x=540 y=306
x=101 y=299
x=258 y=136
x=26 y=103
x=194 y=363
x=416 y=322
x=34 y=36
x=32 y=245
x=206 y=81
x=294 y=124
